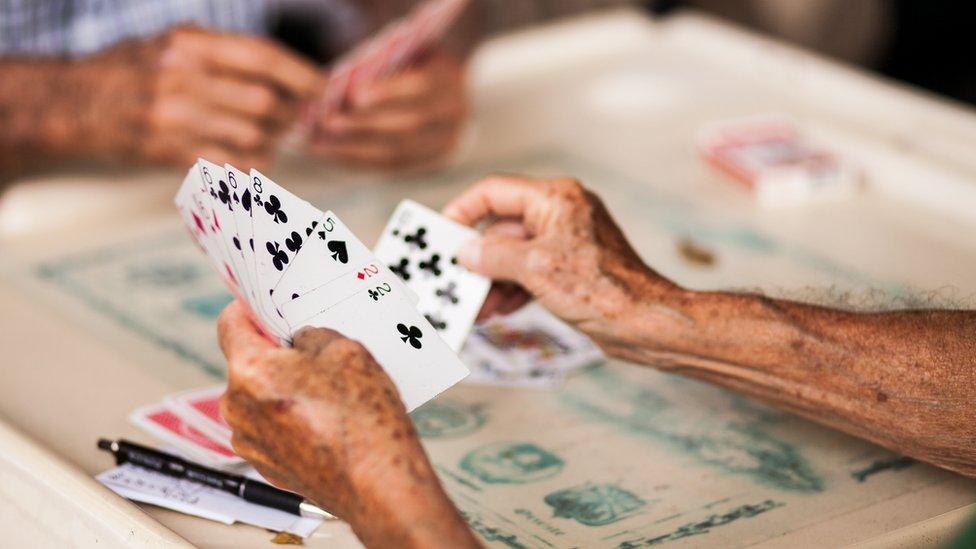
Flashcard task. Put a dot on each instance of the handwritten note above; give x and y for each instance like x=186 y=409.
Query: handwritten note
x=145 y=486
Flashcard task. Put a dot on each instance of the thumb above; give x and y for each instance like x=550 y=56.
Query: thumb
x=497 y=257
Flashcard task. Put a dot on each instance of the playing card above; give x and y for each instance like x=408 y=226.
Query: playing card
x=771 y=157
x=418 y=361
x=331 y=253
x=297 y=311
x=533 y=338
x=530 y=348
x=240 y=182
x=192 y=203
x=391 y=49
x=224 y=202
x=165 y=425
x=281 y=224
x=330 y=250
x=200 y=408
x=420 y=246
x=492 y=368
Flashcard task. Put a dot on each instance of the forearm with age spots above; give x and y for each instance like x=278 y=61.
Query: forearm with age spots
x=905 y=380
x=410 y=511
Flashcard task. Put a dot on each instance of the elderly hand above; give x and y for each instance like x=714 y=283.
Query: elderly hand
x=324 y=420
x=191 y=92
x=408 y=119
x=555 y=240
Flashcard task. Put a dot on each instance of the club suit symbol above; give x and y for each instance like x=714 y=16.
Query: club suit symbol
x=431 y=265
x=224 y=195
x=411 y=335
x=448 y=293
x=417 y=239
x=401 y=268
x=436 y=322
x=294 y=242
x=278 y=256
x=273 y=206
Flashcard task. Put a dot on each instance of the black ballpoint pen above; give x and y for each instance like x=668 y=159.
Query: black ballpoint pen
x=246 y=488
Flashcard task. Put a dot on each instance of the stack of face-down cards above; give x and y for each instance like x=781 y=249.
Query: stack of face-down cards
x=189 y=424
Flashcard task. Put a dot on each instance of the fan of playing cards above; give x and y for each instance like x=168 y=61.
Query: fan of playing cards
x=294 y=265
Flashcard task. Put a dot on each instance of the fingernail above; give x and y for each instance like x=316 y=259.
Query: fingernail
x=470 y=254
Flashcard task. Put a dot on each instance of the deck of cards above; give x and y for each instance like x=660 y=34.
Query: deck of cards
x=294 y=265
x=774 y=160
x=191 y=422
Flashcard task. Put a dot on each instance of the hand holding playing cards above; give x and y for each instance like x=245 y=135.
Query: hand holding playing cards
x=408 y=118
x=556 y=240
x=323 y=419
x=192 y=92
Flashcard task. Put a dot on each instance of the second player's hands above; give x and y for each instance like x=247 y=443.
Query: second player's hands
x=411 y=118
x=187 y=93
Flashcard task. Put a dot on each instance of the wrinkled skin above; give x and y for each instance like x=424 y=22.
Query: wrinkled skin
x=192 y=92
x=554 y=240
x=324 y=420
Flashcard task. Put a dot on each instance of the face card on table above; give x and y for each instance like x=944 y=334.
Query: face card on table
x=493 y=368
x=418 y=361
x=282 y=223
x=533 y=338
x=421 y=246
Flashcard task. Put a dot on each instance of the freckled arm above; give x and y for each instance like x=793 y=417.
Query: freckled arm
x=905 y=380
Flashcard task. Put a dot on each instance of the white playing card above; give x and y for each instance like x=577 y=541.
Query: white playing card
x=224 y=201
x=282 y=222
x=330 y=253
x=418 y=361
x=194 y=209
x=421 y=246
x=240 y=182
x=297 y=311
x=532 y=338
x=492 y=368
